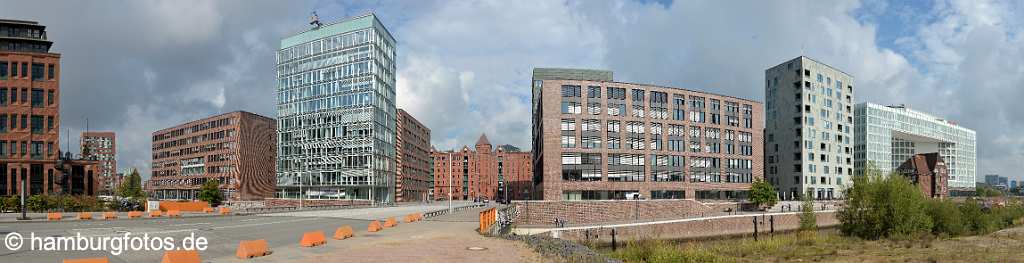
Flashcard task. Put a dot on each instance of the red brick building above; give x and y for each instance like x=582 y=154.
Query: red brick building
x=412 y=158
x=483 y=172
x=237 y=149
x=30 y=116
x=102 y=147
x=929 y=172
x=597 y=139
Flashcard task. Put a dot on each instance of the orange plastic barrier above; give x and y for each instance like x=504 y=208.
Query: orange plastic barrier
x=181 y=256
x=343 y=232
x=252 y=248
x=84 y=216
x=390 y=222
x=109 y=215
x=134 y=214
x=87 y=260
x=173 y=213
x=155 y=213
x=374 y=226
x=225 y=210
x=54 y=216
x=410 y=218
x=419 y=216
x=208 y=210
x=312 y=239
x=487 y=219
x=189 y=206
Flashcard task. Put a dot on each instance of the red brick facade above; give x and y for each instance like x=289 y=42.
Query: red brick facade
x=929 y=172
x=482 y=172
x=30 y=115
x=412 y=158
x=237 y=149
x=596 y=140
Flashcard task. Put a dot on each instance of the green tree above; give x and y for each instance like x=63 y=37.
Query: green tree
x=131 y=187
x=210 y=192
x=947 y=218
x=883 y=206
x=808 y=221
x=763 y=194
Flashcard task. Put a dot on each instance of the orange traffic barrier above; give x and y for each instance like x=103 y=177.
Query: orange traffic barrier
x=312 y=239
x=343 y=232
x=208 y=210
x=155 y=213
x=374 y=226
x=88 y=260
x=252 y=248
x=225 y=210
x=109 y=215
x=487 y=219
x=173 y=213
x=390 y=222
x=181 y=256
x=188 y=206
x=410 y=218
x=84 y=216
x=54 y=216
x=134 y=214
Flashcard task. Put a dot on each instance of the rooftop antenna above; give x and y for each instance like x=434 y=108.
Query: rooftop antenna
x=314 y=20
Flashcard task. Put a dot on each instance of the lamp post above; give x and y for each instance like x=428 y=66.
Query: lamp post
x=450 y=161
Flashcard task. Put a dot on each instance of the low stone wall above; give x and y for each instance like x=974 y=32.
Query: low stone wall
x=544 y=213
x=275 y=202
x=703 y=228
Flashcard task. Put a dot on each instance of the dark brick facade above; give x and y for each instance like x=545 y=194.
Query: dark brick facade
x=412 y=158
x=237 y=149
x=929 y=172
x=483 y=172
x=595 y=140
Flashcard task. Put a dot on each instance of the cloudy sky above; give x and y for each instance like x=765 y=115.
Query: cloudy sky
x=134 y=67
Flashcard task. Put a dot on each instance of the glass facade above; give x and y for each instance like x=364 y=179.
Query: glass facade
x=336 y=112
x=888 y=135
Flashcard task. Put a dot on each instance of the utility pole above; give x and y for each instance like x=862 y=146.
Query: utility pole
x=304 y=167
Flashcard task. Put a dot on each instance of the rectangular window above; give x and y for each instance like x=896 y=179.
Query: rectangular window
x=24 y=95
x=49 y=123
x=593 y=92
x=49 y=97
x=51 y=74
x=3 y=69
x=24 y=121
x=3 y=96
x=14 y=95
x=37 y=71
x=37 y=98
x=37 y=124
x=24 y=69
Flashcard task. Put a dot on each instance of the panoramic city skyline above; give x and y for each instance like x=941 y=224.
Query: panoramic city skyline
x=951 y=59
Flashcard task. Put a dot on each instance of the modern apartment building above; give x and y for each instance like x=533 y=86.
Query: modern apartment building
x=887 y=136
x=102 y=147
x=30 y=117
x=412 y=178
x=809 y=129
x=236 y=149
x=597 y=139
x=501 y=173
x=336 y=112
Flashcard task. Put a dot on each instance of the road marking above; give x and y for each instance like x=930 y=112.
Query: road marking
x=190 y=224
x=264 y=223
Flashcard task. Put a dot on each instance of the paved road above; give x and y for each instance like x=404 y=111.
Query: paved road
x=282 y=232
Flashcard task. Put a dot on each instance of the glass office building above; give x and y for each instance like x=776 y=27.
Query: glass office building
x=336 y=112
x=887 y=136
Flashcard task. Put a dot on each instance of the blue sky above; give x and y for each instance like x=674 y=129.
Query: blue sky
x=472 y=59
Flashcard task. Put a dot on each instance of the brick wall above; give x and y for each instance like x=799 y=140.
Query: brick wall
x=275 y=202
x=533 y=213
x=734 y=225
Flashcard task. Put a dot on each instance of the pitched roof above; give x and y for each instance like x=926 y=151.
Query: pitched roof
x=483 y=140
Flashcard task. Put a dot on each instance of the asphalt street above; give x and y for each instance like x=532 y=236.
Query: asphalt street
x=223 y=233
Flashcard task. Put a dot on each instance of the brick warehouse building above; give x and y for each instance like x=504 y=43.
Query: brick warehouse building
x=495 y=174
x=102 y=147
x=929 y=171
x=30 y=116
x=412 y=158
x=597 y=139
x=237 y=149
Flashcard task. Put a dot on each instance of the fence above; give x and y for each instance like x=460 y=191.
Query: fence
x=445 y=211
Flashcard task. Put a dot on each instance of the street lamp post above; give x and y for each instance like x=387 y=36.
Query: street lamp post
x=450 y=161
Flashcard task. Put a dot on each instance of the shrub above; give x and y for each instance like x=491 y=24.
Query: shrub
x=663 y=251
x=888 y=206
x=946 y=217
x=808 y=221
x=10 y=203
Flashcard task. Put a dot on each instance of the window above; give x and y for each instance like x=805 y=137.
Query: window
x=24 y=69
x=37 y=71
x=3 y=69
x=14 y=95
x=570 y=91
x=571 y=107
x=613 y=126
x=616 y=93
x=638 y=95
x=24 y=95
x=24 y=121
x=49 y=123
x=3 y=96
x=49 y=97
x=52 y=75
x=3 y=123
x=37 y=98
x=593 y=92
x=568 y=125
x=568 y=141
x=37 y=124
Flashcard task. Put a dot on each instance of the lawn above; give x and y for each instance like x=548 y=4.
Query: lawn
x=829 y=246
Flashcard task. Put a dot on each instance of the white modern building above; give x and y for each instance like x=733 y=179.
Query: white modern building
x=808 y=129
x=886 y=136
x=336 y=112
